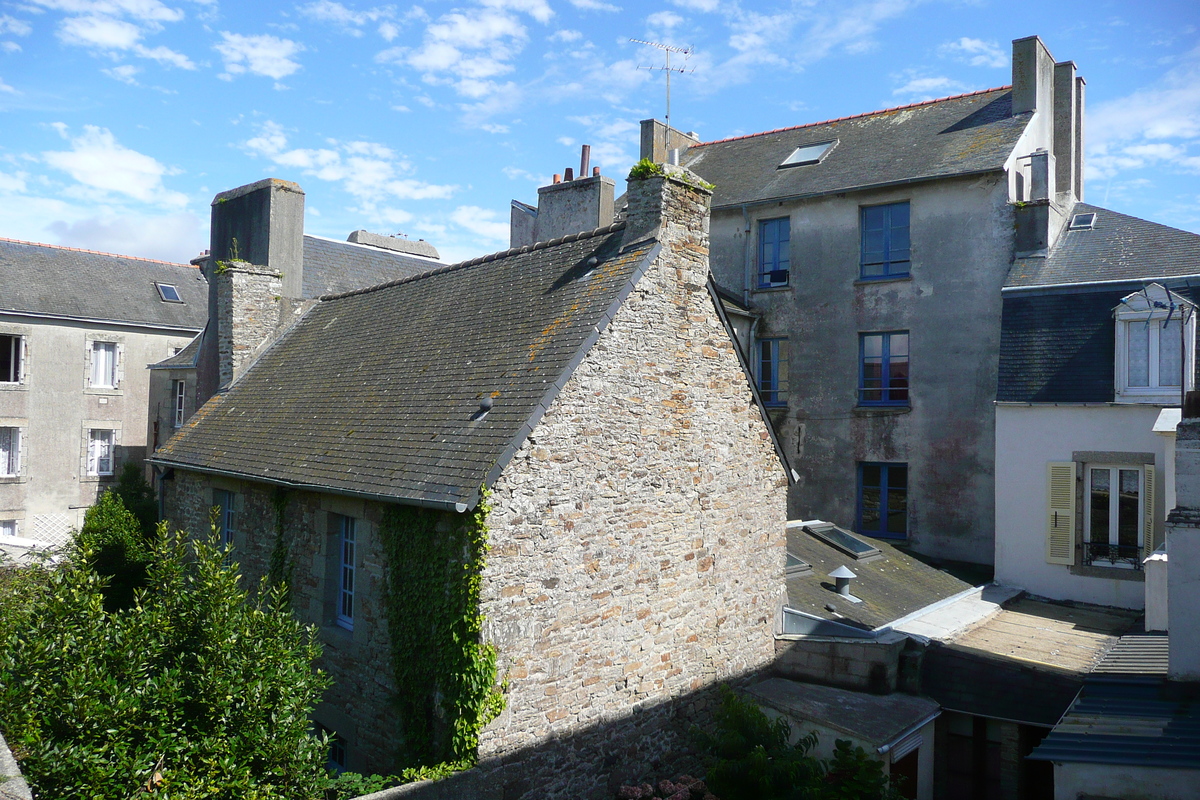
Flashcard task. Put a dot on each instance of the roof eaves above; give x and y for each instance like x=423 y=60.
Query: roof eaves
x=101 y=321
x=1083 y=285
x=852 y=116
x=555 y=388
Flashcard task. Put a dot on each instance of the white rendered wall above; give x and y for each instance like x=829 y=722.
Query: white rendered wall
x=1072 y=781
x=1027 y=438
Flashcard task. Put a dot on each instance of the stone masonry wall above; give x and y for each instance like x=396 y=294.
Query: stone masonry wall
x=247 y=314
x=358 y=705
x=638 y=535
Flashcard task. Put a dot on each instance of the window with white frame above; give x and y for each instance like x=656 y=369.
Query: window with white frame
x=10 y=452
x=1155 y=337
x=12 y=351
x=178 y=395
x=100 y=452
x=347 y=547
x=104 y=365
x=8 y=529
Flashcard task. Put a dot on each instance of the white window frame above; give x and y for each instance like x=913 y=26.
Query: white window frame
x=1114 y=471
x=1149 y=309
x=179 y=397
x=10 y=456
x=95 y=461
x=110 y=377
x=18 y=353
x=347 y=558
x=10 y=529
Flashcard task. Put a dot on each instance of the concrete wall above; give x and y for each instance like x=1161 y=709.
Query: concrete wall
x=1027 y=438
x=1072 y=781
x=160 y=424
x=55 y=407
x=961 y=233
x=864 y=665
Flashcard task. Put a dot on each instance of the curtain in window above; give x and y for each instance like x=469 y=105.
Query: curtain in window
x=104 y=364
x=10 y=443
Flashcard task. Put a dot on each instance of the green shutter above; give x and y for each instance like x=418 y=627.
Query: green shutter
x=1148 y=513
x=1060 y=521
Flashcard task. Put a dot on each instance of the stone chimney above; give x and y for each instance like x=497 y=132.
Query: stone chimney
x=658 y=140
x=672 y=206
x=1183 y=550
x=1068 y=132
x=570 y=205
x=256 y=260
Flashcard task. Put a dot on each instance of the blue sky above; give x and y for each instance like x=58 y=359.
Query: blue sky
x=122 y=118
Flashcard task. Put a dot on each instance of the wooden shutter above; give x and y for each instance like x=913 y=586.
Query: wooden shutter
x=1148 y=512
x=1060 y=519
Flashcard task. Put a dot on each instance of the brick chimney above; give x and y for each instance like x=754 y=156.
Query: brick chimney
x=1183 y=550
x=257 y=259
x=565 y=206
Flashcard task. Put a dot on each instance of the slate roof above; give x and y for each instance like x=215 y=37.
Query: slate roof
x=890 y=587
x=1061 y=347
x=185 y=358
x=965 y=134
x=69 y=283
x=373 y=392
x=333 y=267
x=1118 y=248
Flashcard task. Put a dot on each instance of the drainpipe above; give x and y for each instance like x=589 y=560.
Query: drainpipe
x=746 y=255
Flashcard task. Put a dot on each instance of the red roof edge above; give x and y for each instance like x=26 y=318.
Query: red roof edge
x=95 y=252
x=854 y=116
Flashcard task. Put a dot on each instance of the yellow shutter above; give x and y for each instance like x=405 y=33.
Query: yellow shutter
x=1148 y=513
x=1060 y=522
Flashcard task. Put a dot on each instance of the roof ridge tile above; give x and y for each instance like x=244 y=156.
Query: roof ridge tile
x=512 y=251
x=853 y=116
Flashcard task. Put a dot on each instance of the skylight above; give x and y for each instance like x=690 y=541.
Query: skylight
x=796 y=566
x=808 y=154
x=1082 y=221
x=168 y=293
x=844 y=540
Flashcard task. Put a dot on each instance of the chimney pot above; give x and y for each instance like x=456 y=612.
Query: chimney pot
x=1191 y=405
x=569 y=175
x=557 y=178
x=585 y=159
x=595 y=172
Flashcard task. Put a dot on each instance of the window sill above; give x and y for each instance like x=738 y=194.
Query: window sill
x=96 y=478
x=1112 y=573
x=1155 y=399
x=336 y=636
x=6 y=479
x=864 y=281
x=783 y=288
x=97 y=390
x=867 y=411
x=8 y=386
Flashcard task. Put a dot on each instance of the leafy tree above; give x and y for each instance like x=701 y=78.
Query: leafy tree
x=115 y=547
x=138 y=496
x=196 y=690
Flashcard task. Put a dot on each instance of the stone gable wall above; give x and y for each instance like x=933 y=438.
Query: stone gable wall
x=638 y=535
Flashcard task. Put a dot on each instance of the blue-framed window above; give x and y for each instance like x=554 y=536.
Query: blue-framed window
x=773 y=252
x=773 y=371
x=883 y=500
x=346 y=571
x=883 y=369
x=885 y=241
x=225 y=503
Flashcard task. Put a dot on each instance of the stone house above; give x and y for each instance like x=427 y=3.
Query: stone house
x=77 y=329
x=590 y=384
x=1098 y=343
x=872 y=251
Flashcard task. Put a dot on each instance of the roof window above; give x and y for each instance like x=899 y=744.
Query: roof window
x=1083 y=221
x=168 y=293
x=796 y=566
x=844 y=540
x=808 y=154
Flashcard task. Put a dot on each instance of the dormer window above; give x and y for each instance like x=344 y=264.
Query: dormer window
x=1083 y=222
x=168 y=293
x=1156 y=335
x=808 y=154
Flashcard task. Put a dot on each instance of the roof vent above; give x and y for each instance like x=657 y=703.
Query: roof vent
x=1083 y=221
x=842 y=576
x=808 y=154
x=485 y=405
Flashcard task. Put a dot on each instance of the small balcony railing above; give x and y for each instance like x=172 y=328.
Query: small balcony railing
x=1104 y=554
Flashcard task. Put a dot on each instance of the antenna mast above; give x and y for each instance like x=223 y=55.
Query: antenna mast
x=668 y=49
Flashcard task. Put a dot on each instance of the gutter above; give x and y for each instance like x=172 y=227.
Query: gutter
x=909 y=731
x=1084 y=287
x=441 y=505
x=99 y=321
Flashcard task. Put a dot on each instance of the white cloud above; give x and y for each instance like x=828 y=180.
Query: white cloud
x=12 y=183
x=594 y=5
x=124 y=73
x=664 y=19
x=493 y=128
x=10 y=47
x=111 y=34
x=481 y=222
x=262 y=55
x=388 y=31
x=697 y=5
x=538 y=9
x=16 y=27
x=566 y=141
x=175 y=237
x=976 y=52
x=142 y=10
x=5 y=88
x=350 y=20
x=369 y=171
x=566 y=35
x=100 y=164
x=515 y=173
x=919 y=89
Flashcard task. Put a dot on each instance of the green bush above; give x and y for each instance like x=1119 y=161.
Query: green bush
x=196 y=690
x=116 y=549
x=138 y=496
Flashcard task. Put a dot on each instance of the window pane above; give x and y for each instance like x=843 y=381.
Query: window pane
x=1099 y=506
x=898 y=477
x=870 y=509
x=1169 y=360
x=897 y=507
x=1128 y=516
x=898 y=344
x=871 y=474
x=872 y=345
x=10 y=359
x=1139 y=354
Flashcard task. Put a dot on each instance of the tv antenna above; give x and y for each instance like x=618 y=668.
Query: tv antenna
x=668 y=49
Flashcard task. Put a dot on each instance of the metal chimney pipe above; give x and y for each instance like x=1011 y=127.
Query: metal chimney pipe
x=841 y=577
x=585 y=159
